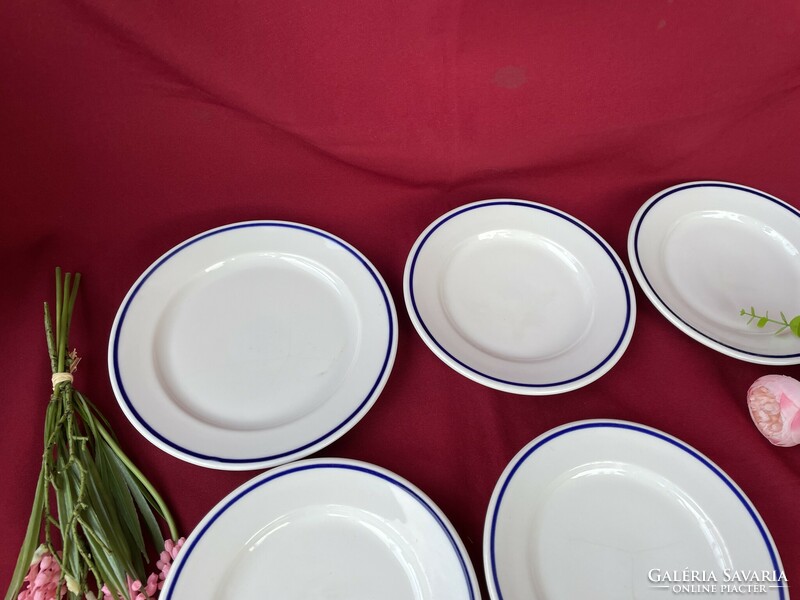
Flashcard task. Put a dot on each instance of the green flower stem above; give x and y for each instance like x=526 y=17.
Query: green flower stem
x=53 y=424
x=65 y=304
x=162 y=507
x=766 y=319
x=61 y=324
x=72 y=298
x=57 y=312
x=792 y=325
x=51 y=341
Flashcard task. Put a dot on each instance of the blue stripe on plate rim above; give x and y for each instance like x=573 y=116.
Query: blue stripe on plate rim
x=647 y=431
x=532 y=205
x=224 y=460
x=658 y=198
x=384 y=475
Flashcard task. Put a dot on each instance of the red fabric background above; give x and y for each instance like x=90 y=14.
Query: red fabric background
x=126 y=127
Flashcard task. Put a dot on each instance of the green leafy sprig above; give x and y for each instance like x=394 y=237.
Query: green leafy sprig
x=90 y=500
x=762 y=321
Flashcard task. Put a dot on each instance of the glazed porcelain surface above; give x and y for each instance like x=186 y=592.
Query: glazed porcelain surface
x=519 y=296
x=324 y=528
x=252 y=345
x=612 y=509
x=703 y=251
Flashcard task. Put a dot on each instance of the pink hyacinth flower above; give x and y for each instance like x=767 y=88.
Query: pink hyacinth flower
x=149 y=590
x=136 y=589
x=774 y=402
x=42 y=578
x=171 y=550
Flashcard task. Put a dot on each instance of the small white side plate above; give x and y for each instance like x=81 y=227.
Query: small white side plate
x=252 y=345
x=703 y=251
x=324 y=528
x=519 y=296
x=610 y=509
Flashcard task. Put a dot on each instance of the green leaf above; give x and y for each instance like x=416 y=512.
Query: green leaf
x=105 y=549
x=762 y=322
x=123 y=479
x=794 y=325
x=152 y=494
x=126 y=508
x=31 y=540
x=143 y=502
x=101 y=506
x=108 y=569
x=108 y=550
x=89 y=412
x=80 y=406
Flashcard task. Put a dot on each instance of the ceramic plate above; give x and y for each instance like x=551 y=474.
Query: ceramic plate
x=252 y=345
x=519 y=296
x=324 y=529
x=609 y=509
x=703 y=251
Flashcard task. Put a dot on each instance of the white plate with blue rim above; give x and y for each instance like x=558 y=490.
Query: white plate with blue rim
x=324 y=528
x=612 y=509
x=253 y=344
x=719 y=259
x=519 y=296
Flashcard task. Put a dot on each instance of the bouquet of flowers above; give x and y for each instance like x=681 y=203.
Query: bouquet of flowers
x=84 y=536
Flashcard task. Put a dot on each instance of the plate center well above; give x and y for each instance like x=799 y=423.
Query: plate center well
x=257 y=341
x=720 y=261
x=326 y=553
x=517 y=295
x=606 y=525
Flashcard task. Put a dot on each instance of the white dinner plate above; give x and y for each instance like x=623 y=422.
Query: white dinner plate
x=252 y=345
x=324 y=528
x=610 y=509
x=519 y=296
x=703 y=251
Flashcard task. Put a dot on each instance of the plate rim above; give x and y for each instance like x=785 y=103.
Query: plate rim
x=673 y=317
x=530 y=389
x=520 y=457
x=386 y=476
x=241 y=464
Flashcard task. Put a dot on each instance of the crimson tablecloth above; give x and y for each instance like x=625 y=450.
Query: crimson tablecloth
x=127 y=127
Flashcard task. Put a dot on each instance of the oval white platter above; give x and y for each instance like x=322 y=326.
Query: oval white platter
x=324 y=528
x=703 y=251
x=252 y=344
x=519 y=297
x=611 y=509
